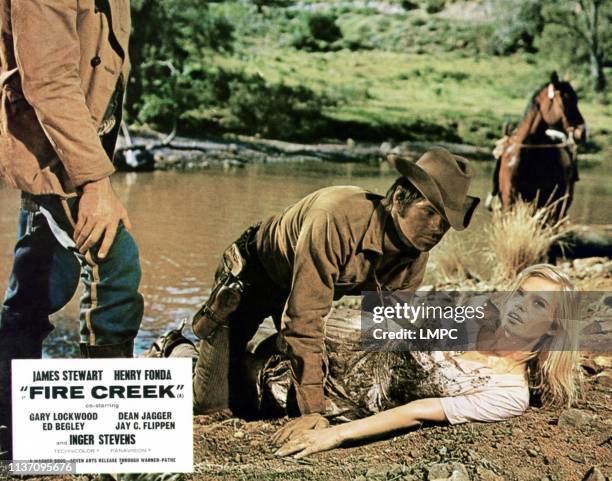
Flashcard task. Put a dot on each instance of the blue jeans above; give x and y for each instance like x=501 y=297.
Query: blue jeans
x=46 y=272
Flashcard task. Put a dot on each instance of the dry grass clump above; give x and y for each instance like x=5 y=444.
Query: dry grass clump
x=520 y=237
x=452 y=259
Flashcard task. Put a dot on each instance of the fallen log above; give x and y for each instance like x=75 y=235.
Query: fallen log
x=584 y=241
x=173 y=152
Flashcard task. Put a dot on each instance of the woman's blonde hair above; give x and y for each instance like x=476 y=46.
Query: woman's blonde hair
x=553 y=366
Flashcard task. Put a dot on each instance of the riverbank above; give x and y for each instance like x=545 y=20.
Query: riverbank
x=156 y=151
x=184 y=153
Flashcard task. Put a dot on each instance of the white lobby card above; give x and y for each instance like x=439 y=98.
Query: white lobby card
x=104 y=415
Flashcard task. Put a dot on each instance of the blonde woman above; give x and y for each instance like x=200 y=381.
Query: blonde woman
x=533 y=347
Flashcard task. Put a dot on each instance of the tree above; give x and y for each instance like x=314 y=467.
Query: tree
x=588 y=23
x=168 y=36
x=517 y=24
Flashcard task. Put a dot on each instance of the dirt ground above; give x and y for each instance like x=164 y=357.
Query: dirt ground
x=541 y=445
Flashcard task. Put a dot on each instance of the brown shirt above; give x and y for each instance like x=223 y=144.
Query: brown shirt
x=329 y=244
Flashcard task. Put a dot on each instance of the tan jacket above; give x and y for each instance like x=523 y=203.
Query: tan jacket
x=59 y=65
x=329 y=244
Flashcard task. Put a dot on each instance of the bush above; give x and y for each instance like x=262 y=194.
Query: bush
x=434 y=6
x=198 y=99
x=316 y=32
x=409 y=5
x=323 y=27
x=276 y=111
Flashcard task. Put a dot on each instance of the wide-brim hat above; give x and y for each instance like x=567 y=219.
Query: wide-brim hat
x=443 y=179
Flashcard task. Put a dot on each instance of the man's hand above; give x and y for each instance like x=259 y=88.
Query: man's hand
x=308 y=442
x=298 y=426
x=99 y=214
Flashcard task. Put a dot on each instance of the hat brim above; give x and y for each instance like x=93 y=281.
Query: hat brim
x=459 y=219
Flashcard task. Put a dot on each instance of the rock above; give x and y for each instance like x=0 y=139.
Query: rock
x=580 y=264
x=597 y=327
x=592 y=328
x=589 y=367
x=532 y=452
x=577 y=458
x=604 y=362
x=485 y=474
x=447 y=472
x=239 y=434
x=594 y=474
x=443 y=451
x=574 y=418
x=604 y=379
x=385 y=148
x=383 y=471
x=604 y=439
x=438 y=471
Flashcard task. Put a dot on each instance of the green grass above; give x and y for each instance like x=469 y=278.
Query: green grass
x=380 y=88
x=417 y=72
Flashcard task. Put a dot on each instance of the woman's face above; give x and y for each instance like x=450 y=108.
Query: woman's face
x=529 y=313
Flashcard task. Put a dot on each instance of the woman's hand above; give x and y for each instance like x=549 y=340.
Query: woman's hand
x=412 y=414
x=312 y=441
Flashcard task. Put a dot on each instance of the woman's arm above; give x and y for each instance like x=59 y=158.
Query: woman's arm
x=411 y=414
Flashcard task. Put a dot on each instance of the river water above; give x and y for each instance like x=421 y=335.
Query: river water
x=183 y=221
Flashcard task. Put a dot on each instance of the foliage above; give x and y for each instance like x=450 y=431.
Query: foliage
x=452 y=259
x=316 y=32
x=409 y=5
x=276 y=111
x=166 y=36
x=585 y=27
x=214 y=100
x=575 y=32
x=517 y=25
x=380 y=72
x=434 y=6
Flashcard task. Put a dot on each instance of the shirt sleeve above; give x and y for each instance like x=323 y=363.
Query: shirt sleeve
x=47 y=52
x=318 y=255
x=486 y=406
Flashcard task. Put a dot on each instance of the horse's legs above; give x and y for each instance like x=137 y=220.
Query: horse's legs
x=495 y=189
x=505 y=183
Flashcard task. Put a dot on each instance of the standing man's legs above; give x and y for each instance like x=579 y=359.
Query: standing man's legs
x=111 y=306
x=44 y=277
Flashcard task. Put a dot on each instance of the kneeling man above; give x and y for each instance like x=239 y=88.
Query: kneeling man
x=336 y=241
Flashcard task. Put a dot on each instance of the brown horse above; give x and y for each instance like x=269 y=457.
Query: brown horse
x=538 y=159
